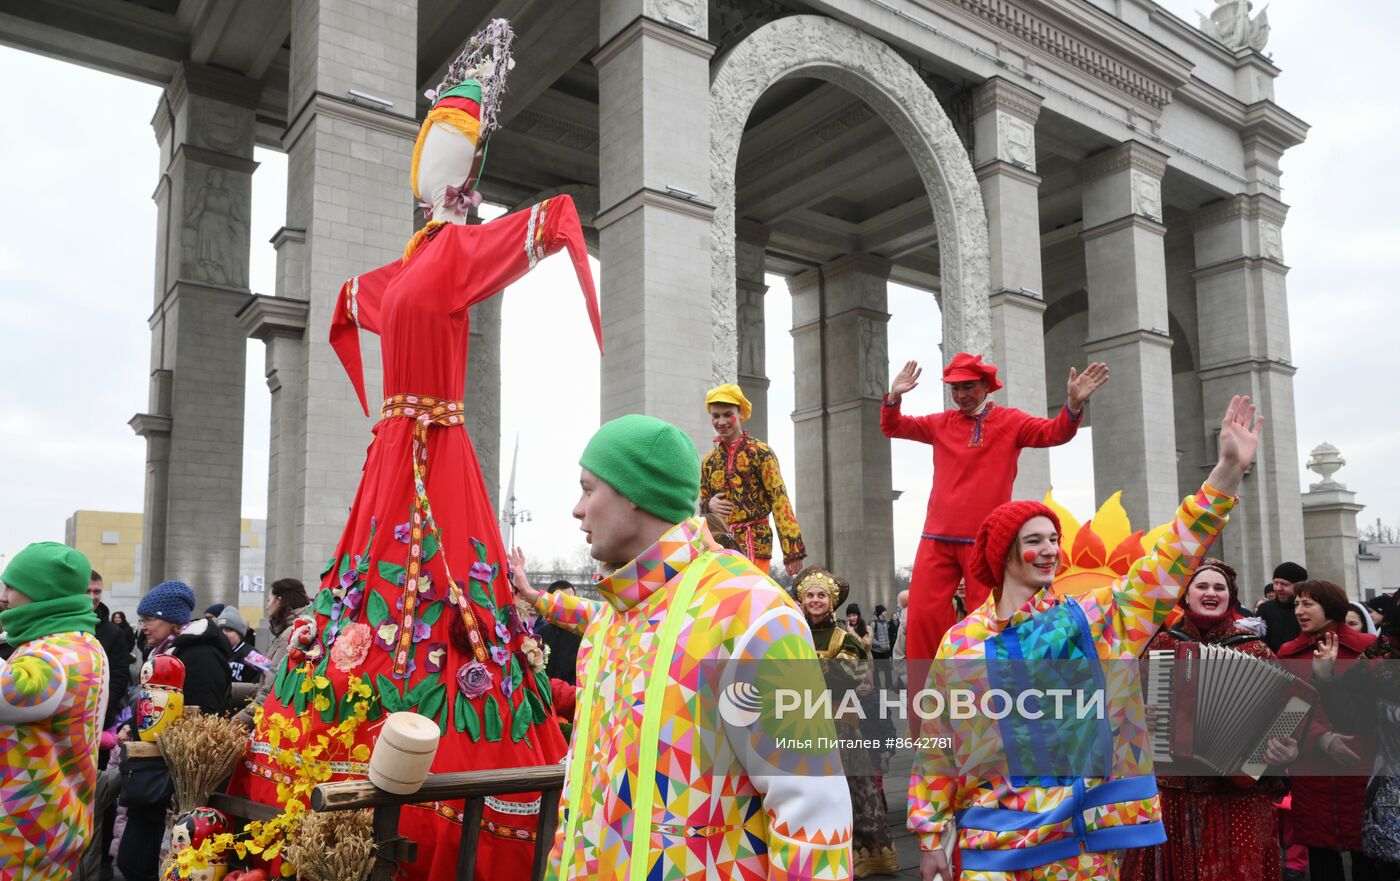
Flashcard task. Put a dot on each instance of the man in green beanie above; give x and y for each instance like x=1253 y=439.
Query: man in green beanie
x=52 y=695
x=672 y=599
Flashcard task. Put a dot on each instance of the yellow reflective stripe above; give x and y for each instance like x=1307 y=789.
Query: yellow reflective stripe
x=581 y=733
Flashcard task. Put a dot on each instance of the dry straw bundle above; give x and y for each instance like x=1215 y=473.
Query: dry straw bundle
x=334 y=846
x=201 y=752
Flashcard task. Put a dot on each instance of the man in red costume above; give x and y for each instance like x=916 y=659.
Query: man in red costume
x=975 y=450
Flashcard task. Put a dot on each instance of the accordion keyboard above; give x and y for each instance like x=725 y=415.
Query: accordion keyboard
x=1159 y=695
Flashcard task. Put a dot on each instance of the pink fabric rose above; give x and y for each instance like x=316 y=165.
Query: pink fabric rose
x=351 y=647
x=474 y=679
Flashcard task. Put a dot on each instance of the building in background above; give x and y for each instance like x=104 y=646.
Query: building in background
x=112 y=542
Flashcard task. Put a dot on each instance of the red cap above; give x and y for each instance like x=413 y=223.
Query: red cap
x=997 y=532
x=968 y=368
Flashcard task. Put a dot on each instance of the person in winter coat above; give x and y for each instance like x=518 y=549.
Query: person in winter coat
x=1329 y=785
x=285 y=601
x=1067 y=821
x=1367 y=695
x=1279 y=613
x=52 y=695
x=164 y=614
x=245 y=664
x=114 y=643
x=1217 y=829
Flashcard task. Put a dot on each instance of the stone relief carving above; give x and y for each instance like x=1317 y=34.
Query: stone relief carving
x=690 y=13
x=805 y=45
x=1271 y=240
x=1016 y=141
x=750 y=326
x=1147 y=195
x=222 y=127
x=214 y=240
x=874 y=358
x=1230 y=22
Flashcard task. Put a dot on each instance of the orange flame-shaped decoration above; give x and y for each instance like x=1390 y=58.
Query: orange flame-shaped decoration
x=1086 y=561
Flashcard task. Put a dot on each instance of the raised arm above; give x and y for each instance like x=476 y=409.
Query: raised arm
x=357 y=309
x=893 y=422
x=1036 y=432
x=1143 y=597
x=504 y=250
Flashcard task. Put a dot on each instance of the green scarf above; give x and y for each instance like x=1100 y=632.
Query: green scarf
x=46 y=617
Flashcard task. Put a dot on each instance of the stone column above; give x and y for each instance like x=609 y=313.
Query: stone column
x=655 y=211
x=841 y=362
x=483 y=394
x=1329 y=524
x=348 y=189
x=194 y=430
x=1242 y=308
x=1004 y=118
x=750 y=241
x=1134 y=432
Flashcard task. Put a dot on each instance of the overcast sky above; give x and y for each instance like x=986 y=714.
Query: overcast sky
x=78 y=164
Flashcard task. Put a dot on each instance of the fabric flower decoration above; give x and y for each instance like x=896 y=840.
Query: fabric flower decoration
x=507 y=686
x=351 y=647
x=474 y=679
x=435 y=657
x=402 y=533
x=350 y=577
x=421 y=630
x=303 y=633
x=386 y=635
x=502 y=631
x=314 y=653
x=500 y=654
x=534 y=653
x=408 y=671
x=481 y=572
x=426 y=592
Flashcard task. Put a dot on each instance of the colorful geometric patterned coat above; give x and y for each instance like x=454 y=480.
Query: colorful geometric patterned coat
x=53 y=693
x=747 y=474
x=711 y=819
x=1081 y=823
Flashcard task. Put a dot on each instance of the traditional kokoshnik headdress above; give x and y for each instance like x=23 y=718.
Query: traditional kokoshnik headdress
x=468 y=99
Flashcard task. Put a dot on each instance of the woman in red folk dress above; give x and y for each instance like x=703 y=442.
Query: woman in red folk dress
x=1218 y=828
x=415 y=606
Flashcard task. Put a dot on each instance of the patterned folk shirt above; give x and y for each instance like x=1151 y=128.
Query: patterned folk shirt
x=747 y=474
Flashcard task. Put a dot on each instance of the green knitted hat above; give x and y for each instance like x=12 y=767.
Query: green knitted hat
x=48 y=570
x=650 y=462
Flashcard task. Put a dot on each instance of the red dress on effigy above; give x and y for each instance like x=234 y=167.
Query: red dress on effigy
x=453 y=655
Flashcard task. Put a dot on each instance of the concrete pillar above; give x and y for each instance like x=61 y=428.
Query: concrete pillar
x=348 y=189
x=1134 y=434
x=750 y=241
x=194 y=430
x=841 y=365
x=655 y=212
x=1329 y=524
x=483 y=394
x=1004 y=118
x=1242 y=308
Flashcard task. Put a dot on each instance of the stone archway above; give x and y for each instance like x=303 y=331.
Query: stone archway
x=823 y=48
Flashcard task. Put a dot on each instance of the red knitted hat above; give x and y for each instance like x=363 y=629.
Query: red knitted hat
x=997 y=532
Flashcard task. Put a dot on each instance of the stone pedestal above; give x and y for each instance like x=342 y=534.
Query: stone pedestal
x=1241 y=302
x=1004 y=118
x=348 y=190
x=1132 y=416
x=1329 y=524
x=655 y=213
x=841 y=362
x=194 y=424
x=750 y=241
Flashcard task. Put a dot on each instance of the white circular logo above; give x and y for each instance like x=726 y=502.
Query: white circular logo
x=739 y=704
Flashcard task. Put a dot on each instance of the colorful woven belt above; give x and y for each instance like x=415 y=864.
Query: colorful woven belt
x=425 y=412
x=748 y=527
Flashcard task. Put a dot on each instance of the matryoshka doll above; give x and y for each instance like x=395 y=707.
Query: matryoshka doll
x=192 y=830
x=162 y=695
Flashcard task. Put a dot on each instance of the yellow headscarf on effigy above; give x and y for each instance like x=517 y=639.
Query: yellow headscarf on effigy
x=729 y=393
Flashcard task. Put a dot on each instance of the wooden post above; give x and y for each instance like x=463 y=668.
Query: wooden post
x=471 y=834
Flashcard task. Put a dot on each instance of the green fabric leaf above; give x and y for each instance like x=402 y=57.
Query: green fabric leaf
x=378 y=609
x=480 y=596
x=520 y=721
x=345 y=562
x=542 y=686
x=442 y=719
x=493 y=719
x=415 y=695
x=467 y=719
x=516 y=676
x=324 y=601
x=330 y=564
x=299 y=696
x=391 y=572
x=480 y=549
x=537 y=710
x=389 y=694
x=431 y=613
x=430 y=547
x=431 y=705
x=280 y=686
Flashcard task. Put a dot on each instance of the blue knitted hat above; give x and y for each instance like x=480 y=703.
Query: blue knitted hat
x=171 y=601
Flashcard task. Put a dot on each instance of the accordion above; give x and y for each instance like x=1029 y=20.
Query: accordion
x=1217 y=708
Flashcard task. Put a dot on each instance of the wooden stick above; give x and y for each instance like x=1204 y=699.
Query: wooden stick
x=350 y=795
